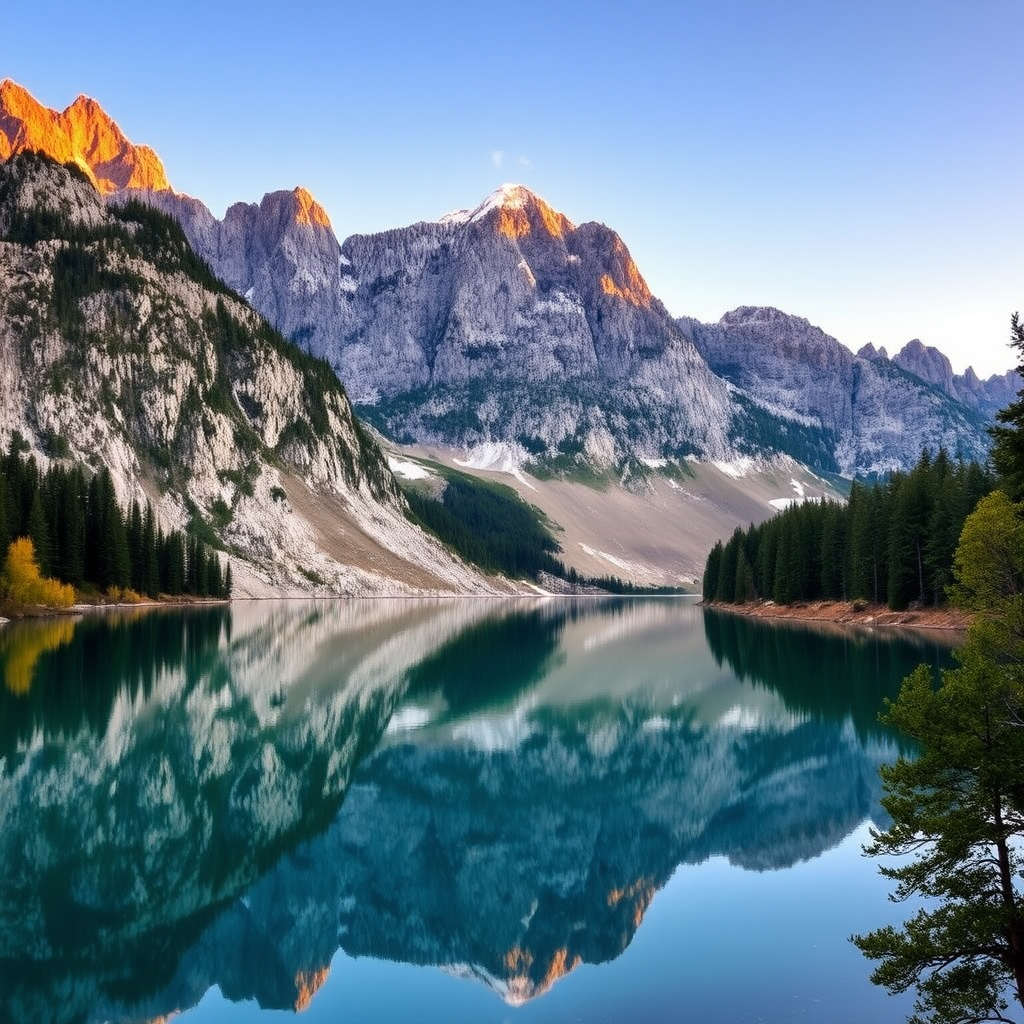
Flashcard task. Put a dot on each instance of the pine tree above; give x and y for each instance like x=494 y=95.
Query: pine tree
x=957 y=805
x=743 y=591
x=133 y=536
x=213 y=575
x=727 y=569
x=5 y=535
x=39 y=534
x=911 y=505
x=149 y=577
x=712 y=569
x=1008 y=436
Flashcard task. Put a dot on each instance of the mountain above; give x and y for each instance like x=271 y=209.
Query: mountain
x=281 y=255
x=875 y=414
x=82 y=134
x=987 y=396
x=509 y=330
x=502 y=324
x=120 y=348
x=506 y=337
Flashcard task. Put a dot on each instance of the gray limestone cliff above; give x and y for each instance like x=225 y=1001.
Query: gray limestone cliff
x=120 y=348
x=506 y=324
x=878 y=413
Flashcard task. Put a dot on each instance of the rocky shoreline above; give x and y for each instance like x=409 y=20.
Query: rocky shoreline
x=853 y=613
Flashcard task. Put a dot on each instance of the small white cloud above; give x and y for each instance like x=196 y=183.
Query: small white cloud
x=497 y=157
x=524 y=161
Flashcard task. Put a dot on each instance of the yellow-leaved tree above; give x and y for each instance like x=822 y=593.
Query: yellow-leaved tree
x=21 y=583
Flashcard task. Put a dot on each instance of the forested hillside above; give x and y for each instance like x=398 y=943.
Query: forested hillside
x=80 y=535
x=892 y=542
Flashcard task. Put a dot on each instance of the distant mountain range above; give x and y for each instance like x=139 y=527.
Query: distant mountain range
x=508 y=324
x=507 y=329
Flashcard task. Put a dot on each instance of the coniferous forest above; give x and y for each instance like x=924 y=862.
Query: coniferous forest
x=891 y=543
x=82 y=536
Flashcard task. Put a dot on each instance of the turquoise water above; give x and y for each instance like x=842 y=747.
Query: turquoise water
x=451 y=810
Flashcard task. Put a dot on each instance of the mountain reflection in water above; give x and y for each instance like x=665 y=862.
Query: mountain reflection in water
x=224 y=796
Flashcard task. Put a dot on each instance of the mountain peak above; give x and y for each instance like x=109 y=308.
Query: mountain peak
x=517 y=211
x=925 y=362
x=83 y=134
x=308 y=211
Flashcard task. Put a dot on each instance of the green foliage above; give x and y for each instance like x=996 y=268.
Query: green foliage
x=957 y=808
x=1008 y=435
x=489 y=525
x=891 y=541
x=989 y=561
x=220 y=513
x=83 y=537
x=756 y=430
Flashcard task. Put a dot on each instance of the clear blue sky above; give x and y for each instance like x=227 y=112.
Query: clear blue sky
x=858 y=163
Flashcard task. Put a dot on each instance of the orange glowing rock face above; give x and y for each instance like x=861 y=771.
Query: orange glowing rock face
x=307 y=984
x=514 y=220
x=630 y=287
x=559 y=967
x=309 y=211
x=83 y=134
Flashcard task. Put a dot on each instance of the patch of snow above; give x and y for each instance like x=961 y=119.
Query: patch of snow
x=781 y=503
x=737 y=468
x=456 y=217
x=407 y=469
x=655 y=463
x=249 y=294
x=498 y=457
x=797 y=486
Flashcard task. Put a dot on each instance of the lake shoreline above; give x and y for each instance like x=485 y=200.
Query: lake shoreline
x=850 y=613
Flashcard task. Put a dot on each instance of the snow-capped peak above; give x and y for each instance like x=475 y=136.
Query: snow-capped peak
x=506 y=197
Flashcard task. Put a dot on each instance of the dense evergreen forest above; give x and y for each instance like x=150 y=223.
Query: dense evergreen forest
x=488 y=525
x=891 y=543
x=83 y=537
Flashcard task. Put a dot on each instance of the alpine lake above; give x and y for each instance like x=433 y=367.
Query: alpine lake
x=451 y=810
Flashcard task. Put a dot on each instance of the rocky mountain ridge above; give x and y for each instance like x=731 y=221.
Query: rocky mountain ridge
x=83 y=134
x=568 y=345
x=509 y=327
x=880 y=412
x=120 y=348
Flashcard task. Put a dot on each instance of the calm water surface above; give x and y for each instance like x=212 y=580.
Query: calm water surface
x=451 y=810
